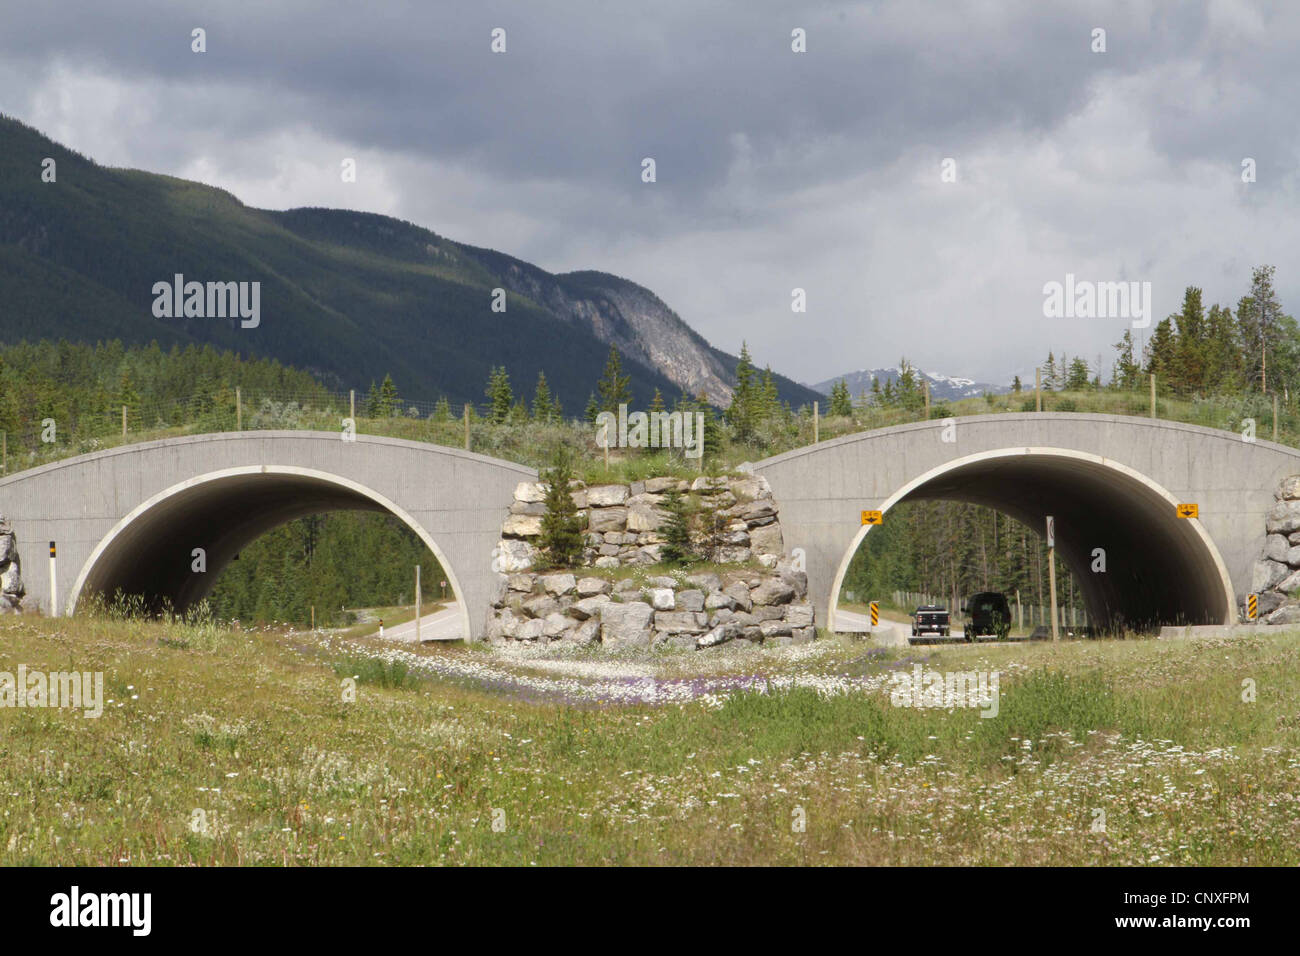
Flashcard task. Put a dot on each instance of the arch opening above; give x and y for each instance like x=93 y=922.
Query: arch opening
x=1159 y=569
x=150 y=552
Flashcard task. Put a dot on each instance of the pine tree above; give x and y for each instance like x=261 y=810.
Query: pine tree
x=677 y=549
x=1015 y=385
x=442 y=410
x=500 y=397
x=561 y=537
x=742 y=414
x=770 y=396
x=1127 y=371
x=389 y=403
x=1049 y=373
x=841 y=401
x=1077 y=379
x=592 y=410
x=1258 y=315
x=657 y=403
x=543 y=406
x=613 y=385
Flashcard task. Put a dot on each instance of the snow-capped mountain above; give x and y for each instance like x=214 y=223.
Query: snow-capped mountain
x=942 y=387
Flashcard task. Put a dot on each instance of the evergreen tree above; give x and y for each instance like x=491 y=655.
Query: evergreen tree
x=657 y=402
x=742 y=414
x=613 y=385
x=1077 y=378
x=442 y=410
x=389 y=403
x=1050 y=383
x=1127 y=372
x=592 y=410
x=561 y=537
x=1162 y=353
x=677 y=549
x=841 y=402
x=543 y=406
x=500 y=397
x=1015 y=385
x=1258 y=315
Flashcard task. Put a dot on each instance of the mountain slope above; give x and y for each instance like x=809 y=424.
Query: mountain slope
x=348 y=296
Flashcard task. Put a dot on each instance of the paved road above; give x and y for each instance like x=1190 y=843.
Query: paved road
x=899 y=632
x=442 y=625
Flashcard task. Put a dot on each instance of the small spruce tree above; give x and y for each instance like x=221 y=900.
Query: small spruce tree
x=561 y=538
x=677 y=549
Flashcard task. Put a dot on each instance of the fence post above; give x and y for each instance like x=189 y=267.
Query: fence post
x=239 y=410
x=1275 y=416
x=1038 y=389
x=352 y=405
x=123 y=421
x=467 y=426
x=1153 y=394
x=816 y=422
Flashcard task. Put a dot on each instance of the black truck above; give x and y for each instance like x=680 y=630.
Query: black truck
x=930 y=619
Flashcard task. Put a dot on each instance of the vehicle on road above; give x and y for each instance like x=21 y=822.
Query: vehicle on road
x=988 y=613
x=930 y=619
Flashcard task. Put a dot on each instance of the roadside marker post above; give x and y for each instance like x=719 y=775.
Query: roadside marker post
x=54 y=585
x=875 y=614
x=1252 y=606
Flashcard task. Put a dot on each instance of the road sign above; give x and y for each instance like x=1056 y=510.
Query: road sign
x=1051 y=531
x=873 y=517
x=875 y=614
x=1189 y=511
x=1252 y=606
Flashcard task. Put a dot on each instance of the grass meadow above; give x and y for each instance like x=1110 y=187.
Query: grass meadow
x=228 y=747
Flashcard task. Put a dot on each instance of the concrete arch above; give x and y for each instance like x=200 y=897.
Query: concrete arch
x=1204 y=590
x=822 y=489
x=122 y=514
x=183 y=514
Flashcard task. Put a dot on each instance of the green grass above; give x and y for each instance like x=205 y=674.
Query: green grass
x=226 y=747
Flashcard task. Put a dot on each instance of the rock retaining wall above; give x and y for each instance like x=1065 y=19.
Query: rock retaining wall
x=749 y=589
x=1276 y=576
x=11 y=570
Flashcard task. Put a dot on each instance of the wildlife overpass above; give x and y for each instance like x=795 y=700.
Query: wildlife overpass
x=1112 y=483
x=130 y=518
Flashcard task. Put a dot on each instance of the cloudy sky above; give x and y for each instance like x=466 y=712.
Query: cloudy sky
x=775 y=169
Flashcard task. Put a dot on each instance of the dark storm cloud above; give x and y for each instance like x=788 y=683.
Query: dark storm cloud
x=774 y=169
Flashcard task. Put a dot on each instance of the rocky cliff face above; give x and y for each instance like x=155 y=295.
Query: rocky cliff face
x=636 y=321
x=749 y=589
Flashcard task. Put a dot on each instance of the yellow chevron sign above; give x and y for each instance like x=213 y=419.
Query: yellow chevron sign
x=1189 y=511
x=875 y=614
x=1252 y=606
x=873 y=517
